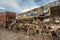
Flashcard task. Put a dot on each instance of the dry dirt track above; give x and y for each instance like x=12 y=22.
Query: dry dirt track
x=6 y=34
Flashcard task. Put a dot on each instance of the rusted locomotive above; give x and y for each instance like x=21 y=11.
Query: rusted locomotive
x=35 y=23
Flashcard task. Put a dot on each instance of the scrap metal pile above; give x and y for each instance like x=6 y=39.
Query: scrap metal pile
x=34 y=25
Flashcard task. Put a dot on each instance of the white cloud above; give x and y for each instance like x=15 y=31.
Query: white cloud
x=11 y=3
x=27 y=5
x=18 y=5
x=27 y=9
x=2 y=8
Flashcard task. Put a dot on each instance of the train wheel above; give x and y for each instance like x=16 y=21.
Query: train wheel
x=58 y=32
x=31 y=31
x=10 y=27
x=14 y=27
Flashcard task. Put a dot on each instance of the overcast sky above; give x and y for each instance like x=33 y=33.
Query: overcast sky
x=19 y=6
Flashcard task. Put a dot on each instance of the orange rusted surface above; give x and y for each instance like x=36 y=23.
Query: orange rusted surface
x=6 y=15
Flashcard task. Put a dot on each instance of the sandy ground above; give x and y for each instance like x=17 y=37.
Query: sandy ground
x=6 y=34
